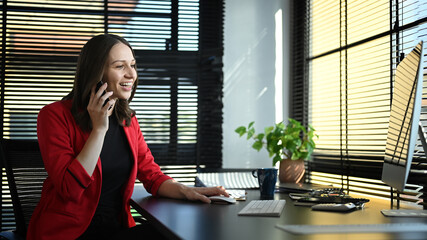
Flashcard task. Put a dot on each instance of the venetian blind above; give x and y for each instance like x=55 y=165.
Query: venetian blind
x=354 y=49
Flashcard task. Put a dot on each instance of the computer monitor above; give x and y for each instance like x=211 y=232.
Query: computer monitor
x=404 y=119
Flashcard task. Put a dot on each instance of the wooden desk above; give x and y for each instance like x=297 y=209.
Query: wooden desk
x=180 y=219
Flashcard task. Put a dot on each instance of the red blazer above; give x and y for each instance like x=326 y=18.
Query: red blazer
x=70 y=195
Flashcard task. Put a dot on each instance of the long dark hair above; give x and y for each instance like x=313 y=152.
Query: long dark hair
x=89 y=71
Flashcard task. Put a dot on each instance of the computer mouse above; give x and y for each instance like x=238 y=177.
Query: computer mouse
x=222 y=199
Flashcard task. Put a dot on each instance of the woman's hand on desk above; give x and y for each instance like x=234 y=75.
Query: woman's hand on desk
x=172 y=189
x=202 y=193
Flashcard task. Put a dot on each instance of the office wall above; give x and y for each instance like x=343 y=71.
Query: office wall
x=256 y=57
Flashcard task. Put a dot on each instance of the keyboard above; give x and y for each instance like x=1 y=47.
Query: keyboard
x=266 y=208
x=355 y=228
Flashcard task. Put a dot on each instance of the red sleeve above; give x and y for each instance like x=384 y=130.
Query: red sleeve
x=149 y=172
x=56 y=133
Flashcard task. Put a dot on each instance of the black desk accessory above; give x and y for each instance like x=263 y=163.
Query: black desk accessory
x=335 y=207
x=327 y=195
x=300 y=187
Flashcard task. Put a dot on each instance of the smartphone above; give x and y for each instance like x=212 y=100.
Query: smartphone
x=98 y=85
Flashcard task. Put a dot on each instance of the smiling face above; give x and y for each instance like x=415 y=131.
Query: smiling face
x=120 y=72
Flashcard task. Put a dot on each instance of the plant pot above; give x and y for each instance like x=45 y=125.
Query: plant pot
x=291 y=171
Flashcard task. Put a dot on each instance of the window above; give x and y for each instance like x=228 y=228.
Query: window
x=354 y=48
x=178 y=46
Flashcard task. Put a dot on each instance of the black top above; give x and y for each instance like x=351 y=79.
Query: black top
x=116 y=163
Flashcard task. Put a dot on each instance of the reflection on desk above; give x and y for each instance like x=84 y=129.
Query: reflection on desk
x=181 y=219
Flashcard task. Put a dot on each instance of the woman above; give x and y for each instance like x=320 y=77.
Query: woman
x=93 y=151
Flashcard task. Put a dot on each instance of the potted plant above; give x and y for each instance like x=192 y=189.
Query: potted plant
x=290 y=145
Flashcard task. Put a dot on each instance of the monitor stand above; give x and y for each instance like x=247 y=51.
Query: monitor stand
x=408 y=212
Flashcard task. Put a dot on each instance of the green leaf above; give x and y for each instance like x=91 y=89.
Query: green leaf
x=276 y=159
x=267 y=130
x=296 y=156
x=260 y=136
x=251 y=132
x=257 y=145
x=240 y=130
x=280 y=126
x=304 y=155
x=251 y=124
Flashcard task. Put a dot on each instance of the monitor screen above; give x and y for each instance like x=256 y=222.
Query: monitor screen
x=404 y=119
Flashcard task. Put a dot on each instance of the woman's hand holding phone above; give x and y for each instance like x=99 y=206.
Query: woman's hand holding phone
x=99 y=105
x=98 y=86
x=98 y=112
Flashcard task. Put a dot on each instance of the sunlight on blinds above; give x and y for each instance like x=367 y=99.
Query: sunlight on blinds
x=187 y=112
x=152 y=106
x=43 y=45
x=325 y=27
x=78 y=5
x=353 y=84
x=145 y=24
x=366 y=18
x=325 y=101
x=41 y=52
x=188 y=25
x=367 y=100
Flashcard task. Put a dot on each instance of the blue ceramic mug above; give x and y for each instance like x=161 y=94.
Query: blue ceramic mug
x=267 y=178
